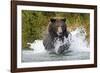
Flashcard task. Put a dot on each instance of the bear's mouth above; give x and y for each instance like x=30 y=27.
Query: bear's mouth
x=60 y=34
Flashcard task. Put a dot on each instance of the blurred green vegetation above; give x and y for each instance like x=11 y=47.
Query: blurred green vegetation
x=34 y=23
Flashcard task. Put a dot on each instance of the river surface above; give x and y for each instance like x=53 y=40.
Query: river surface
x=30 y=56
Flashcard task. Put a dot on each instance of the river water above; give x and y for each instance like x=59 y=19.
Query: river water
x=78 y=50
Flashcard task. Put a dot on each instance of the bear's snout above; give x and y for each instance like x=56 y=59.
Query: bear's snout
x=59 y=31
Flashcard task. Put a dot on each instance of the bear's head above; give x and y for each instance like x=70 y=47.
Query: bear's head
x=57 y=27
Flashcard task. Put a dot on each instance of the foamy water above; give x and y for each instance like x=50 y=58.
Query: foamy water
x=37 y=46
x=77 y=40
x=79 y=49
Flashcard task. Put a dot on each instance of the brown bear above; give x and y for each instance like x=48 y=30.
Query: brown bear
x=57 y=30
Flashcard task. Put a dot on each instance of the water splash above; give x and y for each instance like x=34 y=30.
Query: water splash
x=78 y=42
x=37 y=46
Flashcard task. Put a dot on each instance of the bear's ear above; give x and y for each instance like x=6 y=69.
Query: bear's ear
x=64 y=19
x=52 y=20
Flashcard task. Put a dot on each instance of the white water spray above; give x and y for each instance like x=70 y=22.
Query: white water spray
x=78 y=42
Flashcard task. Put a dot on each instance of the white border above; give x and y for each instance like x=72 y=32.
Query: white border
x=53 y=63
